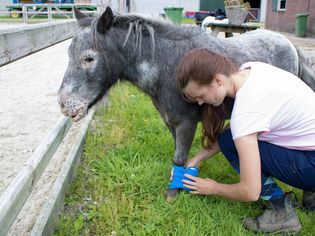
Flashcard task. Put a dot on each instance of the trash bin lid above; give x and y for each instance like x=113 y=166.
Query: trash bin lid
x=173 y=8
x=302 y=14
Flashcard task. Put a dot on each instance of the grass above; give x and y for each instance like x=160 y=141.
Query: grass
x=123 y=176
x=186 y=20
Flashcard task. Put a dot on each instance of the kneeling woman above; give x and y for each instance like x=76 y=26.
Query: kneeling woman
x=271 y=134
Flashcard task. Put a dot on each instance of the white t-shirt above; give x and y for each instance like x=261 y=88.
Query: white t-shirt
x=277 y=105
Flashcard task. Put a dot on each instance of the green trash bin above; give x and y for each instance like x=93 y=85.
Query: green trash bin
x=174 y=14
x=300 y=24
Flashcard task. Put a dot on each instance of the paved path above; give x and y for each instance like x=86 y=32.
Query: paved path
x=307 y=45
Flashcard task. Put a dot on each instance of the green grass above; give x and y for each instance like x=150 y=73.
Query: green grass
x=123 y=176
x=186 y=20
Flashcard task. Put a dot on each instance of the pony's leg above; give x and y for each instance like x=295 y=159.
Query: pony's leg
x=185 y=133
x=173 y=132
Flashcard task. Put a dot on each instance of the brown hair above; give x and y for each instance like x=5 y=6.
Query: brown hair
x=201 y=65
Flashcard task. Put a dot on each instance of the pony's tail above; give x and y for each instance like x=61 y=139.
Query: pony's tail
x=306 y=72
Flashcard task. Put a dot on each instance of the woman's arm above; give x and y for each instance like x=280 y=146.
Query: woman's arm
x=249 y=187
x=202 y=155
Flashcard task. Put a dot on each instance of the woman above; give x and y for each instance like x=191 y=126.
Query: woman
x=271 y=134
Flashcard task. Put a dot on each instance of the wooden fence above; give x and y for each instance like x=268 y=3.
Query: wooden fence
x=14 y=197
x=29 y=11
x=16 y=43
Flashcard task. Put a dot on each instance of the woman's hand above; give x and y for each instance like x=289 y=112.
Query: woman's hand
x=200 y=185
x=172 y=174
x=203 y=154
x=193 y=162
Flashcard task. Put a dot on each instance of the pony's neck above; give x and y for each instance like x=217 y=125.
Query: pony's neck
x=151 y=49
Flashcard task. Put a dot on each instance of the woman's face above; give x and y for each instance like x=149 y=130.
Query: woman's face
x=212 y=94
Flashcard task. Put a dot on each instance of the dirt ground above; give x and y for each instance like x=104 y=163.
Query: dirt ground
x=29 y=109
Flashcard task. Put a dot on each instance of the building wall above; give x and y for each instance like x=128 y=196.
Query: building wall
x=2 y=6
x=154 y=7
x=285 y=20
x=206 y=5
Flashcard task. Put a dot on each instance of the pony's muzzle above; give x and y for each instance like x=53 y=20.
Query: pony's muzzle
x=72 y=107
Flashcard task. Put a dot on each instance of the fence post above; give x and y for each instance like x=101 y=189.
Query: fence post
x=49 y=8
x=73 y=15
x=24 y=12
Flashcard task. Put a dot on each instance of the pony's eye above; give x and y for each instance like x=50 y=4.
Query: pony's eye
x=89 y=59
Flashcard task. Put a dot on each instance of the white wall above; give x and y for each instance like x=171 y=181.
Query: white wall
x=263 y=8
x=2 y=4
x=155 y=7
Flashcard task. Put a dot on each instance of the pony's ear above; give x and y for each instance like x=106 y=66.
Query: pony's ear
x=79 y=15
x=105 y=21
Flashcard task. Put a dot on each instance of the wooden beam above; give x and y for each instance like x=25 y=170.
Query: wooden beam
x=49 y=215
x=13 y=199
x=16 y=43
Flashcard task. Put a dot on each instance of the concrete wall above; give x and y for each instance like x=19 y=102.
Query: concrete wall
x=285 y=20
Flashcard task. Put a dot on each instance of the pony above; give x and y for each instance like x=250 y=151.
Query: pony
x=146 y=51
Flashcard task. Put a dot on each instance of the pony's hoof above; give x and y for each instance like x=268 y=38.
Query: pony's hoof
x=171 y=194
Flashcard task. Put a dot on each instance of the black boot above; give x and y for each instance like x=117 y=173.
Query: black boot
x=279 y=216
x=308 y=200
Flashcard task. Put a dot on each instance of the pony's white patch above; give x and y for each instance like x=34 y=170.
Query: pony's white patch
x=88 y=59
x=148 y=74
x=67 y=88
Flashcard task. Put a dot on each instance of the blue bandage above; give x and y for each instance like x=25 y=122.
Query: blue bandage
x=178 y=176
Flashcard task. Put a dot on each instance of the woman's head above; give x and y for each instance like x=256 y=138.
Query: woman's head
x=199 y=76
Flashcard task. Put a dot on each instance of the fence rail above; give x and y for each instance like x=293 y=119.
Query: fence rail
x=13 y=199
x=16 y=43
x=29 y=11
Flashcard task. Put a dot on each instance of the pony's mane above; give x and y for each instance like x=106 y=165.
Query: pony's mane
x=137 y=27
x=158 y=24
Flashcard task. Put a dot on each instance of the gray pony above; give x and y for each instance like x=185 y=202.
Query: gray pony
x=145 y=52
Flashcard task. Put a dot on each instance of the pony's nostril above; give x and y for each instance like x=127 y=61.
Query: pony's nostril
x=74 y=114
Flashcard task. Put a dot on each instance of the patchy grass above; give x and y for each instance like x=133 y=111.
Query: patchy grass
x=124 y=174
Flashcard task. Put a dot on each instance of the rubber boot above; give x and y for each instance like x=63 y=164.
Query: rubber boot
x=308 y=200
x=279 y=216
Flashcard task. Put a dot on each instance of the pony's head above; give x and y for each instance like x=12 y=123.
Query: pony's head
x=92 y=67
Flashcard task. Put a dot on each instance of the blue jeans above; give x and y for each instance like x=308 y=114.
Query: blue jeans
x=293 y=167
